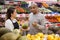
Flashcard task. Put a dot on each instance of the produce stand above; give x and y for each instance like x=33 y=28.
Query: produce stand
x=23 y=12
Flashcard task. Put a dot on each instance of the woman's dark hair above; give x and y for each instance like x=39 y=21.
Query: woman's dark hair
x=9 y=12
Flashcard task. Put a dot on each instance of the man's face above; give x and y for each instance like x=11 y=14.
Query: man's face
x=33 y=8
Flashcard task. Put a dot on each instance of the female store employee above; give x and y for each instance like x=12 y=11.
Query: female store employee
x=11 y=22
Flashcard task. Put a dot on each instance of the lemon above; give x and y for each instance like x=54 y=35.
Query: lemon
x=59 y=38
x=41 y=35
x=50 y=37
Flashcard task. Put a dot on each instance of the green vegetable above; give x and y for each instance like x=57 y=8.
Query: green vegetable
x=23 y=2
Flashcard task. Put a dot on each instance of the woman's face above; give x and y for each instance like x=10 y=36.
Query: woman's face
x=14 y=14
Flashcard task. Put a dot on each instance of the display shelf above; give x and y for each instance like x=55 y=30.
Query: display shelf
x=54 y=18
x=55 y=22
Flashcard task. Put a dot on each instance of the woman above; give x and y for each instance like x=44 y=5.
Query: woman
x=11 y=22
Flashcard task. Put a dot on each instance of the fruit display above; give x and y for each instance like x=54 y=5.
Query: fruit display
x=58 y=18
x=23 y=38
x=41 y=36
x=4 y=31
x=19 y=9
x=52 y=37
x=24 y=4
x=45 y=10
x=15 y=34
x=16 y=31
x=24 y=26
x=22 y=9
x=53 y=18
x=38 y=36
x=45 y=5
x=0 y=7
x=9 y=36
x=26 y=9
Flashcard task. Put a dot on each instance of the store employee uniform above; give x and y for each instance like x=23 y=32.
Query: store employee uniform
x=11 y=24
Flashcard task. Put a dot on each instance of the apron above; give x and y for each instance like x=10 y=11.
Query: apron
x=16 y=26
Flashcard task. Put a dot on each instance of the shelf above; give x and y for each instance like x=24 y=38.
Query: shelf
x=55 y=22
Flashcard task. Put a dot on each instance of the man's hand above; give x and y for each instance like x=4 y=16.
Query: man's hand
x=34 y=24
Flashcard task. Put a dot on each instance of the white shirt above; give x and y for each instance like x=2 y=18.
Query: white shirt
x=41 y=21
x=9 y=24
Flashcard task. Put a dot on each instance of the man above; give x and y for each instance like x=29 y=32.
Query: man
x=36 y=20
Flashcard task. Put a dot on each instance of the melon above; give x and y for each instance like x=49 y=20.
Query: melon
x=24 y=26
x=23 y=38
x=4 y=31
x=9 y=36
x=16 y=31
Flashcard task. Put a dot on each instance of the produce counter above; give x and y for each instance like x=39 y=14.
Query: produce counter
x=41 y=36
x=6 y=34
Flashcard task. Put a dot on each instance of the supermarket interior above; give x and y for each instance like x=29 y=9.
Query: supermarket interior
x=29 y=19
